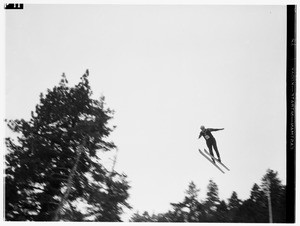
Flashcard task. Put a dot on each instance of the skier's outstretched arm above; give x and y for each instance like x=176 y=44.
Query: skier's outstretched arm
x=200 y=135
x=216 y=129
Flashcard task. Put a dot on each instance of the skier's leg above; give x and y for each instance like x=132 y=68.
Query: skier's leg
x=210 y=145
x=214 y=144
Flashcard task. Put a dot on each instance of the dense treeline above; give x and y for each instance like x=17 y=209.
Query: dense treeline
x=255 y=209
x=53 y=171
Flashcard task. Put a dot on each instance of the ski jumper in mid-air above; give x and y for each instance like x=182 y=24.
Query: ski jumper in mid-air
x=210 y=141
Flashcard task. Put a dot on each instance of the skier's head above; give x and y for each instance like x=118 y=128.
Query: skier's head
x=202 y=128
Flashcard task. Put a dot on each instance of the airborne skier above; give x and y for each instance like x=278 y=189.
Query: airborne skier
x=210 y=141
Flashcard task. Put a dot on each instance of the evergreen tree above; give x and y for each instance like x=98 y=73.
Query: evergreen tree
x=179 y=213
x=254 y=209
x=212 y=201
x=163 y=217
x=54 y=166
x=272 y=185
x=234 y=204
x=192 y=203
x=190 y=210
x=221 y=214
x=144 y=217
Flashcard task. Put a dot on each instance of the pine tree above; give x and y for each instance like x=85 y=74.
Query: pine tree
x=191 y=202
x=144 y=217
x=54 y=166
x=272 y=185
x=234 y=204
x=221 y=214
x=254 y=209
x=190 y=210
x=212 y=201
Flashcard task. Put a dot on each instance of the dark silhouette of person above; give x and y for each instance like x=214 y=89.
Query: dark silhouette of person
x=210 y=140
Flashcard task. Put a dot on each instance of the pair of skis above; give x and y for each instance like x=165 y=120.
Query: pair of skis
x=209 y=157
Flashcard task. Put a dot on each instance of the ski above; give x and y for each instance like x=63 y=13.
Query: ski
x=216 y=159
x=211 y=161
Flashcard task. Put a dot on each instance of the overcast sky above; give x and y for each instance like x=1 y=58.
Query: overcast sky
x=165 y=70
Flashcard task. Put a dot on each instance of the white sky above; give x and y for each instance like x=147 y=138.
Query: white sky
x=165 y=70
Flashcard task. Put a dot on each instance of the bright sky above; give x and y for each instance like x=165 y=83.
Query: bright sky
x=165 y=70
